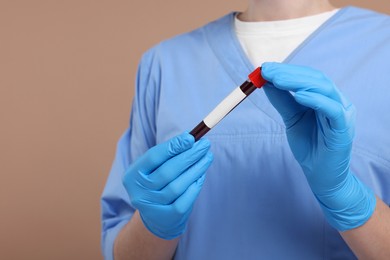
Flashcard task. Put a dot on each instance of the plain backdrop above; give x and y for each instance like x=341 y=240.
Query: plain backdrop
x=66 y=83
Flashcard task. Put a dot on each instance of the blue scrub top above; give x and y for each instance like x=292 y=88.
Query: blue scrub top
x=255 y=203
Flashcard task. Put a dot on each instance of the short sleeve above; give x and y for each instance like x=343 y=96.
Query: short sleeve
x=116 y=209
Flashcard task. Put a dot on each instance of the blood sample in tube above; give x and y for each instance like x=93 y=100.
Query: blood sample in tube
x=255 y=80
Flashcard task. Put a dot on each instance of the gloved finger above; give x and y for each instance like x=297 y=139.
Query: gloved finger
x=337 y=116
x=178 y=186
x=175 y=166
x=338 y=139
x=295 y=78
x=303 y=71
x=185 y=202
x=285 y=104
x=160 y=153
x=300 y=78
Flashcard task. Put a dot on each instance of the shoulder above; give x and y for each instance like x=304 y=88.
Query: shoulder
x=358 y=31
x=186 y=44
x=366 y=17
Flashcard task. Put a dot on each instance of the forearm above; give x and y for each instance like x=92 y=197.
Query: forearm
x=371 y=240
x=136 y=242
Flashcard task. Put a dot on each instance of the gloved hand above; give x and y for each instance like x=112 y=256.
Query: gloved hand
x=164 y=183
x=320 y=130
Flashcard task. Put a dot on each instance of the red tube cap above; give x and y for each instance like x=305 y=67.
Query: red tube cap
x=256 y=78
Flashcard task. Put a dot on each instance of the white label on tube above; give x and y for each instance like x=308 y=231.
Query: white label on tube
x=224 y=107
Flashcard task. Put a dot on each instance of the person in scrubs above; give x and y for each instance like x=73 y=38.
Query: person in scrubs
x=299 y=170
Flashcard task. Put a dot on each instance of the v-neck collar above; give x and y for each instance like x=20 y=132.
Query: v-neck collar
x=227 y=48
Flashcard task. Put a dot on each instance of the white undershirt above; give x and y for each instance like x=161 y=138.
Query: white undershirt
x=275 y=40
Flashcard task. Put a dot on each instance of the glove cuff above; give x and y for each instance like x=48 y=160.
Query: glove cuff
x=350 y=206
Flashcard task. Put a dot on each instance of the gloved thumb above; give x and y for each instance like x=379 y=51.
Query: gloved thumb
x=160 y=153
x=282 y=100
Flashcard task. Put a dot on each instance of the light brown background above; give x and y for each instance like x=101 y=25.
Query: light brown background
x=66 y=83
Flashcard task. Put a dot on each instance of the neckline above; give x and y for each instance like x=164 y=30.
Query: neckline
x=232 y=56
x=281 y=26
x=225 y=45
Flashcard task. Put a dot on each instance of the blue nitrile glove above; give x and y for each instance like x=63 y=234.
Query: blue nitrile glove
x=320 y=130
x=164 y=183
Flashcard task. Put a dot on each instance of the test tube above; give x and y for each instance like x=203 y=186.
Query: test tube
x=255 y=80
